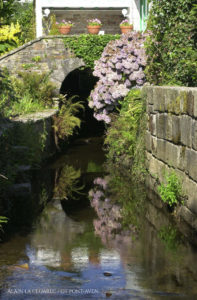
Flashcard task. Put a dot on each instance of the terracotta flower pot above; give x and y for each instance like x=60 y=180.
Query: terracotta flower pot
x=125 y=29
x=64 y=29
x=93 y=29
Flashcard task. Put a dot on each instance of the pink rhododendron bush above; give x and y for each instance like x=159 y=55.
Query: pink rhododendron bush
x=120 y=68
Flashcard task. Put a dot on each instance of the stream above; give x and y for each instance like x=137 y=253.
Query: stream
x=75 y=244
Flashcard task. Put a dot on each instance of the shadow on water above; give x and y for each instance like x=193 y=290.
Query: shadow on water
x=94 y=235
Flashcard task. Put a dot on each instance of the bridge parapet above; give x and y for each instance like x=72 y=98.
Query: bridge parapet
x=44 y=54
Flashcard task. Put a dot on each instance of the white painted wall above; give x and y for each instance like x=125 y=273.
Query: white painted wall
x=131 y=5
x=135 y=14
x=84 y=3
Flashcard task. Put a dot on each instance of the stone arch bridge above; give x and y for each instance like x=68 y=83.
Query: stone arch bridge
x=44 y=54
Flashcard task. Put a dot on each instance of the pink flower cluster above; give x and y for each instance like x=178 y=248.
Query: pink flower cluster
x=94 y=22
x=120 y=68
x=64 y=22
x=125 y=23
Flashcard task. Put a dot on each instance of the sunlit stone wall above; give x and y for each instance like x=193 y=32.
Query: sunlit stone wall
x=45 y=54
x=171 y=141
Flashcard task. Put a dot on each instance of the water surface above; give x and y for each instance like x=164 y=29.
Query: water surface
x=82 y=249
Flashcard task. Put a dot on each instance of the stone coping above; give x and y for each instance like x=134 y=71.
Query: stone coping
x=37 y=116
x=174 y=87
x=44 y=37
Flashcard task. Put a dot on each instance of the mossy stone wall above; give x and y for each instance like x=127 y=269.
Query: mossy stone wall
x=171 y=141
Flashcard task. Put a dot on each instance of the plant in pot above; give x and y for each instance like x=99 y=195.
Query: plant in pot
x=64 y=27
x=125 y=26
x=94 y=26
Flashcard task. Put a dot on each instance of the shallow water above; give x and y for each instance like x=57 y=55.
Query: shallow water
x=83 y=251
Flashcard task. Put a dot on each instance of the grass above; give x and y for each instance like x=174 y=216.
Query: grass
x=26 y=105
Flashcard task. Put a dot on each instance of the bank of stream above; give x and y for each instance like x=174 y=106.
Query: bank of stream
x=72 y=243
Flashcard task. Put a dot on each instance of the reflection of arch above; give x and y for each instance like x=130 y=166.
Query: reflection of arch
x=80 y=82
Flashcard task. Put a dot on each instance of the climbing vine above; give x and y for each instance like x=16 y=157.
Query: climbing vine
x=89 y=47
x=171 y=49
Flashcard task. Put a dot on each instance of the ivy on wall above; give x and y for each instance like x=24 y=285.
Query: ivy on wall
x=89 y=47
x=171 y=49
x=124 y=139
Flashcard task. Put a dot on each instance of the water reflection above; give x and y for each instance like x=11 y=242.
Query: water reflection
x=108 y=224
x=99 y=250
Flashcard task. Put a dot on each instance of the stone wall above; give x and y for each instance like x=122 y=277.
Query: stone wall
x=171 y=141
x=26 y=142
x=109 y=18
x=45 y=54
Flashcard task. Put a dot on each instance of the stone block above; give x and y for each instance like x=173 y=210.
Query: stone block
x=149 y=108
x=172 y=101
x=168 y=128
x=148 y=141
x=186 y=130
x=195 y=102
x=191 y=163
x=179 y=100
x=182 y=158
x=161 y=120
x=159 y=99
x=154 y=145
x=156 y=168
x=190 y=190
x=38 y=46
x=150 y=182
x=188 y=216
x=194 y=134
x=161 y=149
x=190 y=103
x=176 y=131
x=172 y=155
x=152 y=124
x=148 y=92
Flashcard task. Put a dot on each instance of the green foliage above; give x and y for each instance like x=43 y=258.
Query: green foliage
x=25 y=105
x=36 y=86
x=26 y=135
x=37 y=58
x=13 y=14
x=50 y=25
x=89 y=47
x=68 y=185
x=9 y=37
x=125 y=136
x=3 y=220
x=170 y=237
x=7 y=94
x=27 y=66
x=171 y=191
x=27 y=93
x=21 y=144
x=24 y=15
x=171 y=49
x=131 y=196
x=6 y=11
x=94 y=167
x=66 y=122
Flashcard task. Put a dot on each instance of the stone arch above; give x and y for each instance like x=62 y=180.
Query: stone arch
x=52 y=57
x=66 y=67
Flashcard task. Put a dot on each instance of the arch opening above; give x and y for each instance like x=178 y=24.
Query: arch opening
x=79 y=83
